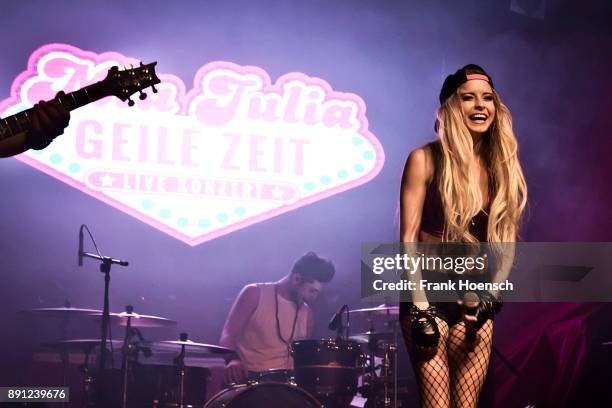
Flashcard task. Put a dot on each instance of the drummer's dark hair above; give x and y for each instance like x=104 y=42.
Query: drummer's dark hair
x=314 y=268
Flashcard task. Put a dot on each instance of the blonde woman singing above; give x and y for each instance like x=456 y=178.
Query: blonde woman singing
x=467 y=186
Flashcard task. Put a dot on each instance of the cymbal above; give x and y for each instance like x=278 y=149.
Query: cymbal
x=381 y=310
x=65 y=312
x=80 y=344
x=137 y=320
x=372 y=337
x=192 y=346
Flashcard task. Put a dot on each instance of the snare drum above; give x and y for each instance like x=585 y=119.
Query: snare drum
x=327 y=368
x=263 y=395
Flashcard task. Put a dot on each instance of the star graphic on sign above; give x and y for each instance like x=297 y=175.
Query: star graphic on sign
x=107 y=180
x=278 y=193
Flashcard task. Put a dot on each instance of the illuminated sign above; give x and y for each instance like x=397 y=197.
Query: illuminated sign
x=235 y=150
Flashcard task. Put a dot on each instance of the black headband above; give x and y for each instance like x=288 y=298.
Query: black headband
x=461 y=76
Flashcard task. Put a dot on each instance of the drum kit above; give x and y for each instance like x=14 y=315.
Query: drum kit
x=135 y=381
x=327 y=373
x=348 y=371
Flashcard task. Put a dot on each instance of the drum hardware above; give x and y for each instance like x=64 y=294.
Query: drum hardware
x=179 y=362
x=119 y=383
x=337 y=324
x=126 y=354
x=68 y=314
x=87 y=346
x=141 y=383
x=130 y=350
x=178 y=380
x=380 y=381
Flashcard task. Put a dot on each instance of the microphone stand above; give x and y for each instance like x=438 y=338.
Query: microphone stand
x=179 y=362
x=125 y=350
x=105 y=268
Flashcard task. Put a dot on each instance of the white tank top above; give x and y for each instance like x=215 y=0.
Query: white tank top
x=259 y=346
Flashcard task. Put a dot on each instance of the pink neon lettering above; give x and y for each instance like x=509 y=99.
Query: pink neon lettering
x=256 y=153
x=86 y=147
x=143 y=144
x=311 y=111
x=293 y=101
x=118 y=141
x=270 y=103
x=278 y=155
x=188 y=147
x=229 y=153
x=299 y=155
x=68 y=74
x=211 y=111
x=162 y=136
x=337 y=115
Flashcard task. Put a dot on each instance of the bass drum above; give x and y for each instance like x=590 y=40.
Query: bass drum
x=263 y=395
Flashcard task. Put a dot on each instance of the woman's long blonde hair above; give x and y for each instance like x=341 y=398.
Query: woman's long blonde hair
x=459 y=189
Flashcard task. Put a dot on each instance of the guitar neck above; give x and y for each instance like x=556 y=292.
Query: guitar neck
x=20 y=122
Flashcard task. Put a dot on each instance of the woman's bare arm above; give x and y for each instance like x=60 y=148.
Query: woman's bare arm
x=418 y=171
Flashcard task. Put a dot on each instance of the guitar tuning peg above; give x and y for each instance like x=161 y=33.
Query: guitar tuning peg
x=141 y=64
x=130 y=102
x=142 y=96
x=154 y=88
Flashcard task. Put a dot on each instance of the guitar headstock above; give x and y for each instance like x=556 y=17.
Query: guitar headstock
x=125 y=83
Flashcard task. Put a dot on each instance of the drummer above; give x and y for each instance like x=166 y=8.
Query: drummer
x=267 y=317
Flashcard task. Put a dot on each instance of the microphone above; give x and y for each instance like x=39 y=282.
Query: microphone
x=336 y=320
x=81 y=245
x=106 y=259
x=471 y=301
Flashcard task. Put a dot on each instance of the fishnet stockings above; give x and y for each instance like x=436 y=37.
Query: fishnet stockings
x=454 y=376
x=468 y=365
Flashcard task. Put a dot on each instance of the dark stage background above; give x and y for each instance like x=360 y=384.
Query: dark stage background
x=553 y=73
